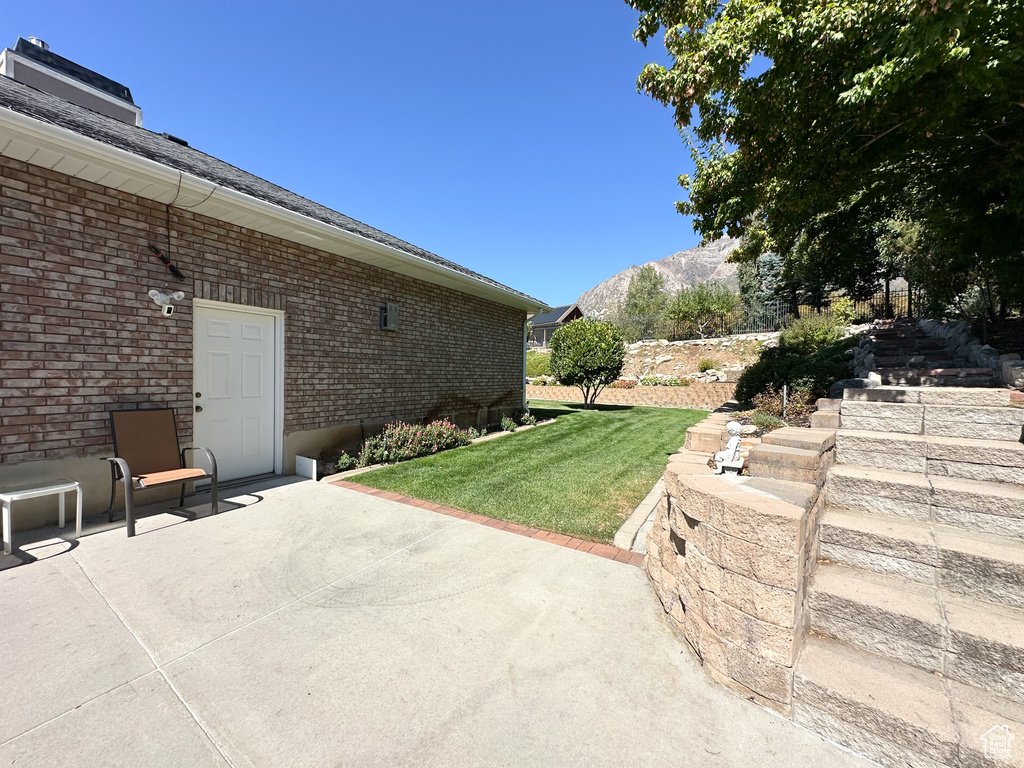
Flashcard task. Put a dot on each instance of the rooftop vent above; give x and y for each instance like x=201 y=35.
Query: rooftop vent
x=31 y=62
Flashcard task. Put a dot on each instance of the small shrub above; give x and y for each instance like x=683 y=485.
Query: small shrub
x=538 y=364
x=623 y=384
x=401 y=441
x=766 y=421
x=473 y=434
x=527 y=419
x=784 y=365
x=345 y=462
x=809 y=335
x=667 y=381
x=705 y=365
x=508 y=424
x=843 y=310
x=769 y=402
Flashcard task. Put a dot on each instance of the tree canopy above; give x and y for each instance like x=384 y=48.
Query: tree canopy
x=705 y=306
x=646 y=300
x=588 y=354
x=826 y=132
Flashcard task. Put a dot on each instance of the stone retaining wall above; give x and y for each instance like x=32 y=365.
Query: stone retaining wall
x=730 y=566
x=705 y=397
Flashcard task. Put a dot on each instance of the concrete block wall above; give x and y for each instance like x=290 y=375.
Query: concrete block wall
x=704 y=397
x=731 y=568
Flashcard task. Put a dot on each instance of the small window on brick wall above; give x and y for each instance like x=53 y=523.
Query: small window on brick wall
x=389 y=317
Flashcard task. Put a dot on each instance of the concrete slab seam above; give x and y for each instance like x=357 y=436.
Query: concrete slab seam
x=192 y=713
x=606 y=551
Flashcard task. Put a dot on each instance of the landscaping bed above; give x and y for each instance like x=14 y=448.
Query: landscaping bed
x=581 y=476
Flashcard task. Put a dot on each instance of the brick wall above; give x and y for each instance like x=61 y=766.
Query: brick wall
x=705 y=397
x=79 y=336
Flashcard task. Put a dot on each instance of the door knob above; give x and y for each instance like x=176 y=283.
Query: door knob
x=199 y=409
x=199 y=394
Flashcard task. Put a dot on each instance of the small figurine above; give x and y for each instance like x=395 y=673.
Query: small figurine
x=731 y=454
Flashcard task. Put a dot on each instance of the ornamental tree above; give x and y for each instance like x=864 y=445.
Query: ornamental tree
x=828 y=121
x=704 y=305
x=646 y=300
x=588 y=354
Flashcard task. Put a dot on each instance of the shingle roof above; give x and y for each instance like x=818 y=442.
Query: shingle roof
x=553 y=316
x=158 y=148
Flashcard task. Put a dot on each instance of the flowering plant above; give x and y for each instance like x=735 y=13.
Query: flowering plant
x=401 y=441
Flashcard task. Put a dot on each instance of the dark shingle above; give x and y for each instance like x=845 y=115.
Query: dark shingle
x=154 y=146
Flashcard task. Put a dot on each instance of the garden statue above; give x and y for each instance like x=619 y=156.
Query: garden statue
x=730 y=457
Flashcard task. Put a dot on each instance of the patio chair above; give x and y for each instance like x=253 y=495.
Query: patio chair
x=146 y=455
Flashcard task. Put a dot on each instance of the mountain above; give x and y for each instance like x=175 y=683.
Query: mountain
x=697 y=265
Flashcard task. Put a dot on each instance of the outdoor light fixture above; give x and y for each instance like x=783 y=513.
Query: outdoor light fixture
x=389 y=317
x=163 y=300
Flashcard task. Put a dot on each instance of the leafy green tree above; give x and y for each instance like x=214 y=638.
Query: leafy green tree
x=706 y=306
x=827 y=120
x=646 y=300
x=588 y=354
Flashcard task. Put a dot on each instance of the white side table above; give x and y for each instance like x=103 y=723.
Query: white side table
x=11 y=493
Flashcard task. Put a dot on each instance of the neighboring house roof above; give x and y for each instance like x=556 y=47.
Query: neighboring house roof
x=556 y=315
x=259 y=204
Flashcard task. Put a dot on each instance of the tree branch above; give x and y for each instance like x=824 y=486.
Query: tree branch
x=881 y=135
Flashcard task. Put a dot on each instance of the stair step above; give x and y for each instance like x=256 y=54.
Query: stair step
x=783 y=455
x=971 y=459
x=982 y=566
x=818 y=440
x=995 y=398
x=971 y=505
x=892 y=712
x=975 y=643
x=825 y=420
x=829 y=404
x=784 y=463
x=704 y=438
x=971 y=421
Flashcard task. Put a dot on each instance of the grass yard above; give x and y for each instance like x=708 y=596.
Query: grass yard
x=581 y=476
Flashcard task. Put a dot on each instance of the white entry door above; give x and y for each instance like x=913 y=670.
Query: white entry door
x=234 y=399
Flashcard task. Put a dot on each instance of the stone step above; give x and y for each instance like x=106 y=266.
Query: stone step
x=829 y=404
x=981 y=566
x=784 y=463
x=980 y=378
x=825 y=420
x=973 y=421
x=958 y=396
x=978 y=644
x=704 y=438
x=992 y=460
x=817 y=440
x=971 y=505
x=892 y=712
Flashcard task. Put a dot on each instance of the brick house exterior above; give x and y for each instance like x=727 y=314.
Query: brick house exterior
x=79 y=336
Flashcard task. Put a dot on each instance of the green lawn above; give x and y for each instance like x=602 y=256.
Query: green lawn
x=580 y=476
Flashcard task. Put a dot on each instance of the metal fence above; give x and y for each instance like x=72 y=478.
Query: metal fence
x=774 y=315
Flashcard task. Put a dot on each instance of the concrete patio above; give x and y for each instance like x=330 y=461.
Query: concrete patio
x=313 y=625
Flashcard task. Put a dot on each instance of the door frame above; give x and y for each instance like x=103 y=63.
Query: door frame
x=278 y=316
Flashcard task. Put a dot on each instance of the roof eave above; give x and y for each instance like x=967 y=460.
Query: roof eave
x=66 y=151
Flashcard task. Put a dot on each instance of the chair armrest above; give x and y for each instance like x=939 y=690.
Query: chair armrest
x=120 y=464
x=209 y=456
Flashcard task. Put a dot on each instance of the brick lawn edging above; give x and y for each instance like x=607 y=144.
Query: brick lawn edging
x=704 y=397
x=601 y=550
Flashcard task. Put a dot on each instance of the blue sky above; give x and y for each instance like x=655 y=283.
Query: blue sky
x=505 y=136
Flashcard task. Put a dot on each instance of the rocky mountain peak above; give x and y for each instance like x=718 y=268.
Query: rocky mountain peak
x=685 y=268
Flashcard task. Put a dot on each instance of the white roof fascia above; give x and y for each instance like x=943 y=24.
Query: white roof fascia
x=327 y=237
